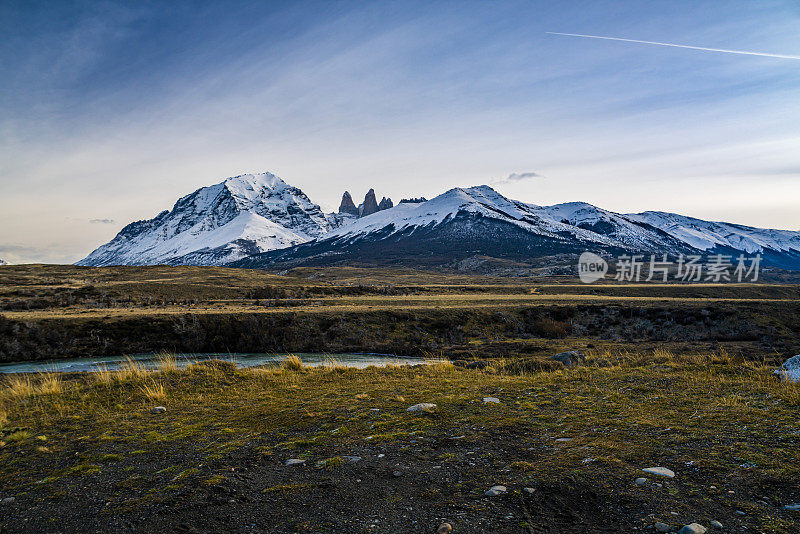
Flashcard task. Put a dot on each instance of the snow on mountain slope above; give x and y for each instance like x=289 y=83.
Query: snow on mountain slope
x=705 y=235
x=573 y=221
x=241 y=216
x=479 y=220
x=4 y=262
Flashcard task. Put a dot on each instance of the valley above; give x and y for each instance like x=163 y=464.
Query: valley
x=673 y=375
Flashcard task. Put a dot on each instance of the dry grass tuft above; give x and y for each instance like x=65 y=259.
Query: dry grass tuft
x=293 y=363
x=154 y=391
x=130 y=370
x=167 y=362
x=50 y=384
x=19 y=387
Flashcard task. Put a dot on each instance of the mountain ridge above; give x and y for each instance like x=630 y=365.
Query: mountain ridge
x=258 y=220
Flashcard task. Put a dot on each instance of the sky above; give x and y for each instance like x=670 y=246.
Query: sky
x=111 y=111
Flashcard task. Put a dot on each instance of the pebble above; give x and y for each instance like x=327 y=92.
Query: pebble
x=421 y=407
x=295 y=461
x=640 y=481
x=495 y=491
x=8 y=500
x=529 y=491
x=397 y=473
x=444 y=528
x=662 y=527
x=494 y=400
x=659 y=471
x=351 y=459
x=158 y=409
x=693 y=528
x=563 y=440
x=716 y=524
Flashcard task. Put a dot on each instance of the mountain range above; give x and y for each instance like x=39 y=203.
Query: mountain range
x=259 y=221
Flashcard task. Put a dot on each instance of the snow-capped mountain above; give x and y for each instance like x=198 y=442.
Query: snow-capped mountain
x=239 y=217
x=479 y=220
x=259 y=220
x=780 y=247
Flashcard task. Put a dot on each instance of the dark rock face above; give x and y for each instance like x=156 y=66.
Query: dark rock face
x=413 y=200
x=347 y=205
x=385 y=204
x=370 y=205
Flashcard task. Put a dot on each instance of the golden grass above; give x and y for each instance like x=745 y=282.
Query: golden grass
x=167 y=362
x=18 y=387
x=154 y=391
x=50 y=384
x=293 y=363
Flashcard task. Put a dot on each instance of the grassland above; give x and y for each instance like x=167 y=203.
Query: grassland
x=679 y=376
x=63 y=311
x=215 y=460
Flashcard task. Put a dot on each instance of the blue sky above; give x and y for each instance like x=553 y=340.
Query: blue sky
x=111 y=111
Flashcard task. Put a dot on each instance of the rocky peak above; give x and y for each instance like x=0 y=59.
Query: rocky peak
x=370 y=204
x=347 y=205
x=385 y=204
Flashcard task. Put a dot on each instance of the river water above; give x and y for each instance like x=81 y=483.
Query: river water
x=150 y=361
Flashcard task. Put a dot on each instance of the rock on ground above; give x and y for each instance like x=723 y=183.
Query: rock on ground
x=693 y=528
x=659 y=471
x=495 y=490
x=790 y=370
x=295 y=461
x=494 y=400
x=422 y=407
x=570 y=358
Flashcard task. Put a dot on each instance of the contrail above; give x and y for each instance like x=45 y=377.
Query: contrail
x=762 y=54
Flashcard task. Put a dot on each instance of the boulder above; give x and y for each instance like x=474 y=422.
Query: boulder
x=790 y=370
x=570 y=358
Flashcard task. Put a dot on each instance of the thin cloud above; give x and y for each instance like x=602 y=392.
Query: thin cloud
x=102 y=221
x=518 y=177
x=742 y=52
